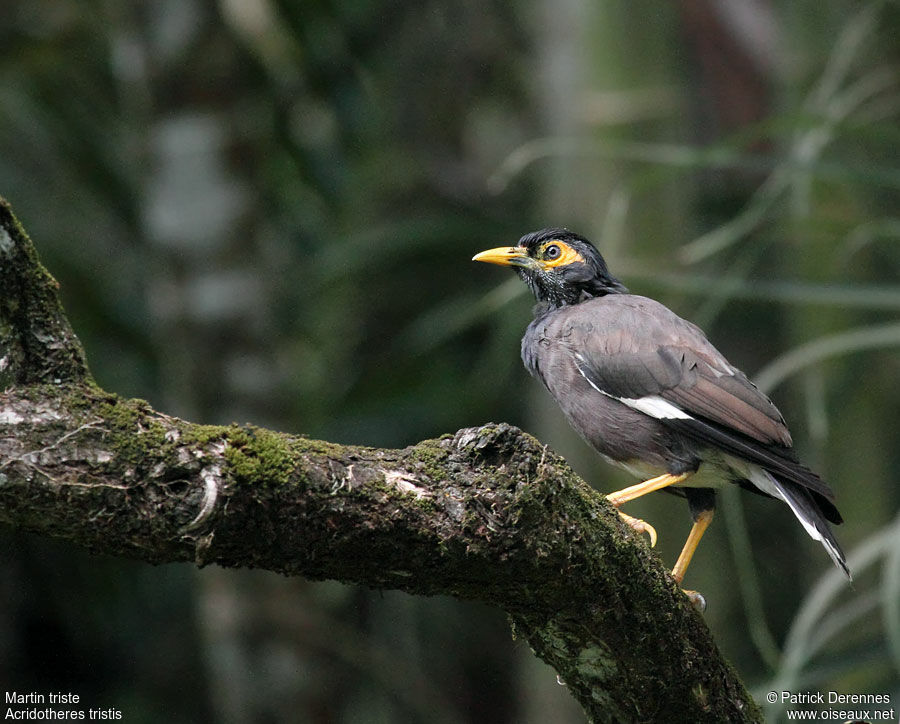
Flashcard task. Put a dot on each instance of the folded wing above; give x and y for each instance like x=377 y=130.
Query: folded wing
x=641 y=353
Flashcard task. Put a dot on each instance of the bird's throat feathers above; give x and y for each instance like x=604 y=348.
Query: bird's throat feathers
x=555 y=290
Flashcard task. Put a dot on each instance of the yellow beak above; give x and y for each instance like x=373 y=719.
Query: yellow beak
x=505 y=256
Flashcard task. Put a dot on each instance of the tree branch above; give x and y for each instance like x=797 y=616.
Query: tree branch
x=487 y=513
x=36 y=342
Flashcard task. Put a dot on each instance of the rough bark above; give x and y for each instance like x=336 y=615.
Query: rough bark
x=486 y=513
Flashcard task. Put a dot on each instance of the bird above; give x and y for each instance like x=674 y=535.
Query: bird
x=649 y=392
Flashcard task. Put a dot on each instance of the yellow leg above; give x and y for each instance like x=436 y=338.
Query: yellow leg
x=636 y=491
x=648 y=486
x=690 y=545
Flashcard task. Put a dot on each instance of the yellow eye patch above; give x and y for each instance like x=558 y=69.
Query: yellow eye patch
x=558 y=253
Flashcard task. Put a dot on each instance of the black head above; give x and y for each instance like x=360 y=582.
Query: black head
x=559 y=266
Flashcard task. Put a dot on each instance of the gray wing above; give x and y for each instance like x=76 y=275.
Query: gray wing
x=641 y=353
x=635 y=348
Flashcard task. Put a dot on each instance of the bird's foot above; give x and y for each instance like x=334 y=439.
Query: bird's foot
x=697 y=599
x=641 y=526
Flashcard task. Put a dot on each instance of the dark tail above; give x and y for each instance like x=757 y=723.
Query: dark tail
x=808 y=511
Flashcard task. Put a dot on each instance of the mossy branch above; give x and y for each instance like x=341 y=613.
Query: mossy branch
x=486 y=513
x=36 y=342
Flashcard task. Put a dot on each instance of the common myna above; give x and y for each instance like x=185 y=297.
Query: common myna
x=647 y=390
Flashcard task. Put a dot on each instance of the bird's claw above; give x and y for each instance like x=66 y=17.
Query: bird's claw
x=640 y=526
x=696 y=598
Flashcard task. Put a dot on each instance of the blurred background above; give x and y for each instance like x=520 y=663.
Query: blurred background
x=264 y=210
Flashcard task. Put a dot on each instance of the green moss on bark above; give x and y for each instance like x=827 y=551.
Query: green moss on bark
x=37 y=344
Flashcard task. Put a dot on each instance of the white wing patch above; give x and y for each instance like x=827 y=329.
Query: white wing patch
x=657 y=407
x=652 y=405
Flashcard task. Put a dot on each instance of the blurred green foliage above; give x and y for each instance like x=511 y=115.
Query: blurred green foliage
x=264 y=211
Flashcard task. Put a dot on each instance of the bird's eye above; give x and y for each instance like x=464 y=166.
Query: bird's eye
x=552 y=252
